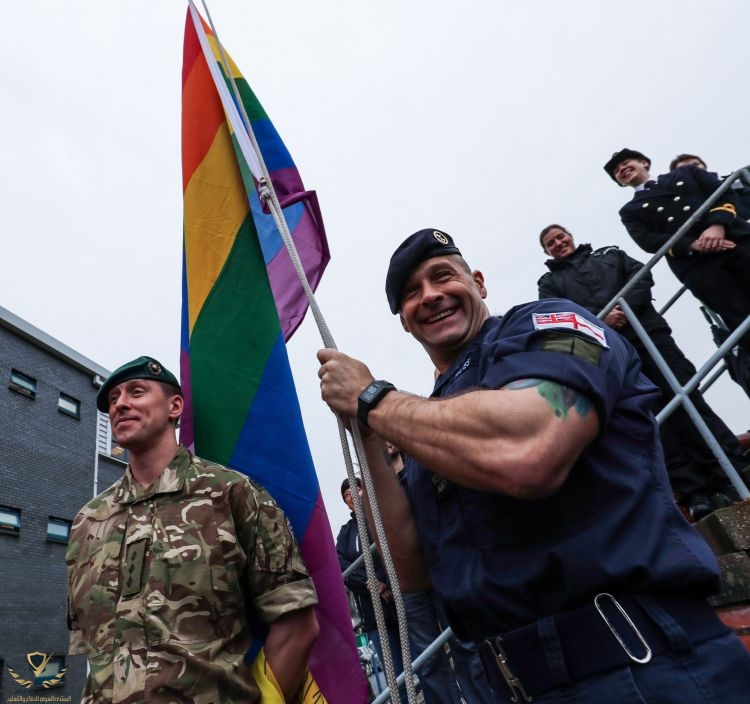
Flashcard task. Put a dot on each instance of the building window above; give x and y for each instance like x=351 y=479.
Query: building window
x=22 y=383
x=69 y=406
x=10 y=520
x=58 y=530
x=105 y=441
x=117 y=451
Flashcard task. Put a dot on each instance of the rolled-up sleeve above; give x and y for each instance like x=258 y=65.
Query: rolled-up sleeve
x=275 y=573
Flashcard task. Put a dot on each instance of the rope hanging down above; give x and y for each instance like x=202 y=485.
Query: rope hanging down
x=268 y=195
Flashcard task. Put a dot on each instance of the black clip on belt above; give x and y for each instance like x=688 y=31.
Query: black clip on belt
x=501 y=660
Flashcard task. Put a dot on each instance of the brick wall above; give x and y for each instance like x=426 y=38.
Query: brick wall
x=46 y=470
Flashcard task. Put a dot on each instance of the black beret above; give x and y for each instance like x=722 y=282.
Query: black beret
x=345 y=484
x=141 y=368
x=422 y=245
x=618 y=157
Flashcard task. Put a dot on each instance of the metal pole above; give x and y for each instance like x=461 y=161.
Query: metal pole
x=682 y=393
x=424 y=656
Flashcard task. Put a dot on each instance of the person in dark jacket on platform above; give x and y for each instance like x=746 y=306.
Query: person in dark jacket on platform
x=591 y=278
x=712 y=259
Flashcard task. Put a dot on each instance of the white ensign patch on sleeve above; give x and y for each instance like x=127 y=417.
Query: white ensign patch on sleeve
x=570 y=321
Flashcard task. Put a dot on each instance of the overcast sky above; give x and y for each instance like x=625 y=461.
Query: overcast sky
x=484 y=118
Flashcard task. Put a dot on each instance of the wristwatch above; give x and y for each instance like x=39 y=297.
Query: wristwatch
x=371 y=397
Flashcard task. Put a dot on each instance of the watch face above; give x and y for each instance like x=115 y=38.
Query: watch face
x=370 y=397
x=370 y=392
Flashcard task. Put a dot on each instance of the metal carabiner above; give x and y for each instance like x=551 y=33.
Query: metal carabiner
x=514 y=684
x=647 y=657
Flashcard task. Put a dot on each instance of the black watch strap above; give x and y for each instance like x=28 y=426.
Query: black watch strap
x=371 y=397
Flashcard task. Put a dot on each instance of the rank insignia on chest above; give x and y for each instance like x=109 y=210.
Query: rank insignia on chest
x=132 y=576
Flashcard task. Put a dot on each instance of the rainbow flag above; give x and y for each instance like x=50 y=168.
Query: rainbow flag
x=241 y=404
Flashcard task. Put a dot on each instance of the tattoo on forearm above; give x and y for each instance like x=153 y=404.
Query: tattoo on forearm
x=560 y=398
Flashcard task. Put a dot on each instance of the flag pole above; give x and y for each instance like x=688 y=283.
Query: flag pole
x=254 y=158
x=267 y=193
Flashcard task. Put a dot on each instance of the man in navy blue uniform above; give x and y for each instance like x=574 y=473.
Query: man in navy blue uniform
x=536 y=501
x=592 y=278
x=712 y=259
x=740 y=187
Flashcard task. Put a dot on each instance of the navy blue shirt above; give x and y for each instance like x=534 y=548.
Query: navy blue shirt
x=499 y=562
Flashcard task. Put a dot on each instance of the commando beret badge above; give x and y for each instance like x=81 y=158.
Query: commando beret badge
x=415 y=249
x=141 y=368
x=618 y=157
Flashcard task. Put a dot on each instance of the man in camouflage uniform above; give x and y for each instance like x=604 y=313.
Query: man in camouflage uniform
x=166 y=566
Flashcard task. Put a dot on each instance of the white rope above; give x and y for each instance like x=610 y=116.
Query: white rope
x=267 y=193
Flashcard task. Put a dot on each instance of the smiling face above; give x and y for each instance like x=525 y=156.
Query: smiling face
x=143 y=413
x=443 y=307
x=558 y=243
x=632 y=172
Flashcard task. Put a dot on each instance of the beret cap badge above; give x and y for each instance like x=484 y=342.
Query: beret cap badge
x=415 y=249
x=140 y=368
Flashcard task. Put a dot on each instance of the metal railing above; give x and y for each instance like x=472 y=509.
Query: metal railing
x=743 y=173
x=422 y=658
x=682 y=393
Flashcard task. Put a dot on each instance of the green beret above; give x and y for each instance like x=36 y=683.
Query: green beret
x=415 y=249
x=141 y=368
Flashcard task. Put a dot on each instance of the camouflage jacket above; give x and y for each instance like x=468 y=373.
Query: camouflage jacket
x=160 y=578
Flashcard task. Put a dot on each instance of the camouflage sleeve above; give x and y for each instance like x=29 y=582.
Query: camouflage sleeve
x=77 y=645
x=276 y=576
